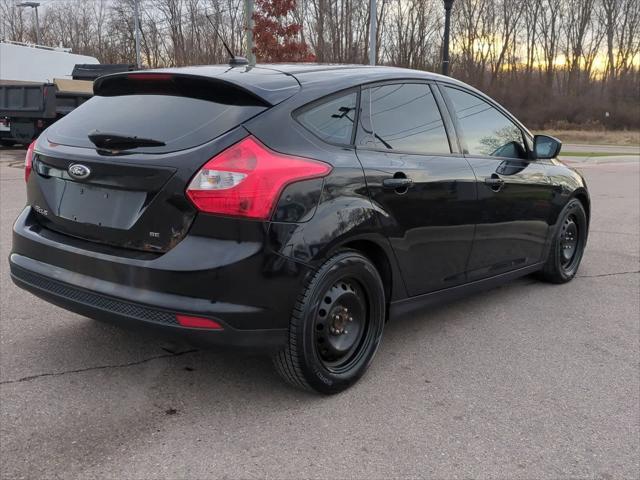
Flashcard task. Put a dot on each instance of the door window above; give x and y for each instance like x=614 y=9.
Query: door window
x=406 y=118
x=486 y=130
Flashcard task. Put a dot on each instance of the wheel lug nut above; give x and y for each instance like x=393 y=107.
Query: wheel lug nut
x=351 y=319
x=345 y=332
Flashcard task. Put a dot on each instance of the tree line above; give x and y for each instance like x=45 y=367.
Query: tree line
x=553 y=62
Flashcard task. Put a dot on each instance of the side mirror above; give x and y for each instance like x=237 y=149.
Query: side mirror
x=545 y=146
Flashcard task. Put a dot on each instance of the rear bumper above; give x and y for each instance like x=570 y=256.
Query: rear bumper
x=247 y=290
x=132 y=314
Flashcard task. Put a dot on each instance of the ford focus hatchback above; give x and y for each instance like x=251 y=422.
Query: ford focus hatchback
x=290 y=208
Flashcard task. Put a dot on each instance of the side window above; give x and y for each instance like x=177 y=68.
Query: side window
x=486 y=130
x=405 y=117
x=332 y=120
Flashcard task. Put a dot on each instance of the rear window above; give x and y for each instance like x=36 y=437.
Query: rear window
x=180 y=122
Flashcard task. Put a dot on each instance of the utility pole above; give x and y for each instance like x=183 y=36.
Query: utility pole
x=373 y=24
x=248 y=31
x=34 y=6
x=448 y=4
x=136 y=26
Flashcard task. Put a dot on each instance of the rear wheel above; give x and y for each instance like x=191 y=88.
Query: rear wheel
x=568 y=244
x=336 y=326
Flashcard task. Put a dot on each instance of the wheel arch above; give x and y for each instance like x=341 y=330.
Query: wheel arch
x=583 y=197
x=378 y=256
x=383 y=260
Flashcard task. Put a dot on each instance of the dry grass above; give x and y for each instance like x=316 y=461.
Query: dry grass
x=596 y=137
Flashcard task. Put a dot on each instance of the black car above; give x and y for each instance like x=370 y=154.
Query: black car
x=294 y=208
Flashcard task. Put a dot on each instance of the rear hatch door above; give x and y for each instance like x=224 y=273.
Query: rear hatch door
x=115 y=170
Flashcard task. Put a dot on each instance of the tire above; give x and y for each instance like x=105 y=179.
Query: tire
x=329 y=347
x=7 y=143
x=568 y=244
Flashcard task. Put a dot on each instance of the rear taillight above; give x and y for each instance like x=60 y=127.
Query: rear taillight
x=28 y=160
x=247 y=178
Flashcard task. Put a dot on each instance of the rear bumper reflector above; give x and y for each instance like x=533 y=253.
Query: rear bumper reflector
x=197 y=322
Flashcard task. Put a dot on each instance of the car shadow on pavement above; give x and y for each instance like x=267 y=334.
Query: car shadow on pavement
x=140 y=359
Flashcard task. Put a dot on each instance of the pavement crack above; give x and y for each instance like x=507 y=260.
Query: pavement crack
x=608 y=274
x=100 y=367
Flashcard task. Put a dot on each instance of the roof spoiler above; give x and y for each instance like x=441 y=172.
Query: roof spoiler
x=176 y=84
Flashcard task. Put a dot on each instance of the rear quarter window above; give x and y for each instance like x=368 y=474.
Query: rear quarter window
x=332 y=119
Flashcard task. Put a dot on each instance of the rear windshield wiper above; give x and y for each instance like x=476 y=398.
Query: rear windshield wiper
x=116 y=141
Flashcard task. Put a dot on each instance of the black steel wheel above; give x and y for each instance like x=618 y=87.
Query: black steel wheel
x=336 y=326
x=340 y=325
x=568 y=244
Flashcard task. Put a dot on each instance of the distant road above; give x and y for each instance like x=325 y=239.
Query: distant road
x=599 y=154
x=582 y=148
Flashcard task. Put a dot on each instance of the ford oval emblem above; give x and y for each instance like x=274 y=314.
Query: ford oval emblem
x=79 y=172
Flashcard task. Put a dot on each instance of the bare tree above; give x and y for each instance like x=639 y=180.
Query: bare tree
x=569 y=49
x=14 y=27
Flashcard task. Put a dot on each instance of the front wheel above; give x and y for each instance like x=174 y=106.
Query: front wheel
x=336 y=326
x=568 y=244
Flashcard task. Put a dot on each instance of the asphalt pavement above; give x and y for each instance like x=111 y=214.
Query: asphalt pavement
x=528 y=380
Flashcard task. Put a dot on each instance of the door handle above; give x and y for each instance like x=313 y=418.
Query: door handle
x=397 y=183
x=495 y=182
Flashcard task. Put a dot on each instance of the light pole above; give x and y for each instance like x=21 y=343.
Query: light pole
x=248 y=30
x=136 y=26
x=35 y=6
x=373 y=24
x=448 y=4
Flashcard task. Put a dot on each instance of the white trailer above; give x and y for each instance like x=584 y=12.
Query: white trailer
x=22 y=62
x=36 y=88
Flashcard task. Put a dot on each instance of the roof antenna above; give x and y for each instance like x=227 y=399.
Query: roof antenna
x=233 y=59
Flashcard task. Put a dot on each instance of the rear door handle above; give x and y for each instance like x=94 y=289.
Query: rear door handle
x=397 y=183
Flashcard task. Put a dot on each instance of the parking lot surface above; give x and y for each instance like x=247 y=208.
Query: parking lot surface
x=528 y=380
